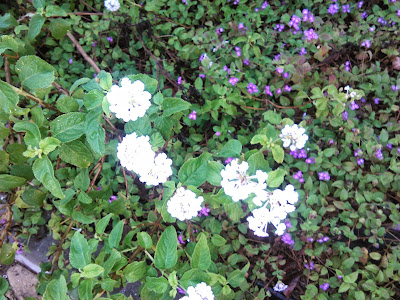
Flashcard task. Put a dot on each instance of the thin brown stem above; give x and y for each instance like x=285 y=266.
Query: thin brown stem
x=83 y=53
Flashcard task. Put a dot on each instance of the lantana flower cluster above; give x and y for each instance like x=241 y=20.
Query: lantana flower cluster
x=293 y=137
x=274 y=205
x=200 y=291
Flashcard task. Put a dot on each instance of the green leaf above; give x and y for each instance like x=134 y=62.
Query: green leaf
x=49 y=144
x=93 y=99
x=95 y=134
x=158 y=285
x=144 y=240
x=33 y=197
x=375 y=255
x=194 y=170
x=55 y=10
x=4 y=286
x=116 y=234
x=201 y=257
x=174 y=105
x=166 y=251
x=76 y=153
x=6 y=21
x=85 y=289
x=351 y=278
x=259 y=139
x=59 y=28
x=114 y=258
x=276 y=177
x=39 y=4
x=84 y=198
x=135 y=271
x=7 y=254
x=232 y=148
x=4 y=161
x=32 y=136
x=34 y=72
x=102 y=224
x=77 y=83
x=8 y=98
x=384 y=136
x=56 y=290
x=150 y=84
x=82 y=180
x=35 y=26
x=67 y=104
x=8 y=182
x=105 y=80
x=193 y=277
x=214 y=172
x=278 y=153
x=68 y=127
x=344 y=287
x=44 y=172
x=348 y=263
x=82 y=218
x=79 y=255
x=92 y=270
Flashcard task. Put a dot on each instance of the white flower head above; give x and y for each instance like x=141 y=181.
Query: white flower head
x=201 y=291
x=239 y=185
x=184 y=205
x=112 y=5
x=135 y=153
x=129 y=101
x=158 y=171
x=280 y=287
x=293 y=137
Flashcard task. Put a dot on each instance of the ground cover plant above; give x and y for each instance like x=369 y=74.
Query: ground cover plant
x=209 y=149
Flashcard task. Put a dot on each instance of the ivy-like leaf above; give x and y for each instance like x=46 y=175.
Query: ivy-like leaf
x=166 y=250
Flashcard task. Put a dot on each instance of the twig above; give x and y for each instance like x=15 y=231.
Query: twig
x=60 y=88
x=85 y=14
x=34 y=98
x=83 y=53
x=96 y=175
x=7 y=70
x=59 y=248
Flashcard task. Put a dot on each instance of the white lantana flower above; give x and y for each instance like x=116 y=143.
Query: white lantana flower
x=274 y=211
x=201 y=291
x=280 y=287
x=129 y=101
x=112 y=5
x=293 y=137
x=135 y=153
x=237 y=184
x=158 y=171
x=184 y=205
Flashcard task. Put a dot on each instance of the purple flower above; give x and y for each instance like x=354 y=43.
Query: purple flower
x=310 y=239
x=228 y=160
x=398 y=150
x=287 y=88
x=396 y=227
x=218 y=133
x=302 y=153
x=70 y=61
x=398 y=12
x=99 y=188
x=94 y=44
x=345 y=115
x=357 y=152
x=279 y=27
x=298 y=175
x=324 y=176
x=389 y=146
x=347 y=66
x=310 y=266
x=180 y=240
x=193 y=115
x=203 y=56
x=112 y=198
x=279 y=70
x=278 y=91
x=395 y=88
x=378 y=154
x=179 y=81
x=346 y=8
x=288 y=224
x=287 y=239
x=310 y=35
x=277 y=57
x=181 y=290
x=238 y=51
x=110 y=39
x=264 y=5
x=324 y=286
x=268 y=90
x=203 y=212
x=246 y=62
x=294 y=22
x=233 y=80
x=360 y=4
x=240 y=26
x=219 y=30
x=360 y=161
x=294 y=153
x=20 y=250
x=354 y=105
x=3 y=221
x=333 y=9
x=202 y=75
x=366 y=44
x=303 y=51
x=252 y=88
x=286 y=75
x=310 y=160
x=364 y=15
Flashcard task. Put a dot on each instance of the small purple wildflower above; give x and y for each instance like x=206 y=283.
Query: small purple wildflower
x=180 y=240
x=333 y=9
x=378 y=154
x=278 y=91
x=286 y=75
x=277 y=57
x=302 y=153
x=264 y=5
x=203 y=56
x=364 y=15
x=287 y=88
x=389 y=146
x=3 y=221
x=268 y=90
x=246 y=62
x=228 y=160
x=70 y=61
x=398 y=150
x=299 y=176
x=310 y=35
x=240 y=26
x=310 y=160
x=203 y=212
x=360 y=161
x=345 y=115
x=233 y=80
x=193 y=115
x=347 y=66
x=324 y=176
x=252 y=88
x=294 y=153
x=238 y=51
x=110 y=39
x=288 y=224
x=279 y=27
x=181 y=290
x=287 y=239
x=112 y=198
x=99 y=188
x=303 y=51
x=279 y=70
x=310 y=239
x=179 y=81
x=219 y=30
x=376 y=101
x=94 y=44
x=354 y=105
x=294 y=22
x=357 y=152
x=20 y=250
x=324 y=286
x=346 y=8
x=396 y=227
x=218 y=133
x=309 y=266
x=360 y=4
x=395 y=88
x=366 y=44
